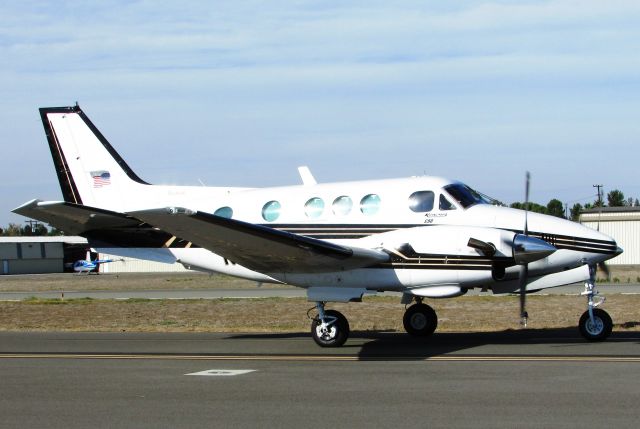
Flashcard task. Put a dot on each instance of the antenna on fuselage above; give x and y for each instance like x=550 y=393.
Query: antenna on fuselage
x=306 y=176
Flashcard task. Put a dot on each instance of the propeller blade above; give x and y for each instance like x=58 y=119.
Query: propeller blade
x=524 y=273
x=526 y=202
x=524 y=267
x=605 y=269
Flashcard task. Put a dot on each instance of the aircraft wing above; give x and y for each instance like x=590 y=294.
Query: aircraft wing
x=257 y=247
x=74 y=218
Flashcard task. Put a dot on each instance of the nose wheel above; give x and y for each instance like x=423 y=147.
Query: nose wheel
x=597 y=327
x=595 y=324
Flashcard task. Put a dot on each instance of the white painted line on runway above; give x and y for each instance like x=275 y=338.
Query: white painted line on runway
x=222 y=372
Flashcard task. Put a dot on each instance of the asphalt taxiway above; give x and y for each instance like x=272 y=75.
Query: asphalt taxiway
x=529 y=378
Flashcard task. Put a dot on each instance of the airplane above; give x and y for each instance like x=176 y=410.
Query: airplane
x=88 y=266
x=425 y=237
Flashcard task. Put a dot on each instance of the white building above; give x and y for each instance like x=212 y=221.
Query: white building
x=621 y=223
x=41 y=255
x=37 y=255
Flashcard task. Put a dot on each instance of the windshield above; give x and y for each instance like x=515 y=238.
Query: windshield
x=466 y=196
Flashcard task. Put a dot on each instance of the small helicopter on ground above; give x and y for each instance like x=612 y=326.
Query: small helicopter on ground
x=89 y=266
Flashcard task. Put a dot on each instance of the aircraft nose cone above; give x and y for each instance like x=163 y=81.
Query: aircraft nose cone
x=529 y=249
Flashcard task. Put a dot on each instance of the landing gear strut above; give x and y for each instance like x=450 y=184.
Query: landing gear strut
x=329 y=328
x=595 y=324
x=420 y=320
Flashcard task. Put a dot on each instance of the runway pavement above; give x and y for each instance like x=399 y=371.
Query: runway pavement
x=258 y=292
x=530 y=378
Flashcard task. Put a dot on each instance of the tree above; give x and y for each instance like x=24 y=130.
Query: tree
x=13 y=230
x=533 y=207
x=55 y=232
x=636 y=203
x=615 y=198
x=555 y=208
x=575 y=212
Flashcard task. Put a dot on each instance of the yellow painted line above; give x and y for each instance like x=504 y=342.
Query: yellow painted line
x=324 y=358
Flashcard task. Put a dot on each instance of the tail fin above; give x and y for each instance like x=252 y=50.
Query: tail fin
x=89 y=169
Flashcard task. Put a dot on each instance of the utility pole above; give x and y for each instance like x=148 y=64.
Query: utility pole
x=32 y=225
x=599 y=194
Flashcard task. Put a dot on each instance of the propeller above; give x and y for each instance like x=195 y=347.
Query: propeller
x=524 y=267
x=605 y=269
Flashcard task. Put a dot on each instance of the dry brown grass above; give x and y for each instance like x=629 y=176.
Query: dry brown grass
x=464 y=314
x=124 y=281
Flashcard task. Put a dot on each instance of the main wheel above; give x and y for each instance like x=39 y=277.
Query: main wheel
x=597 y=330
x=420 y=320
x=334 y=333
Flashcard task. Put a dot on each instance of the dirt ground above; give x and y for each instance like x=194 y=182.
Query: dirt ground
x=463 y=314
x=467 y=313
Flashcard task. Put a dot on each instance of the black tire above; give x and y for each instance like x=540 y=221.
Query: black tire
x=599 y=331
x=420 y=320
x=337 y=332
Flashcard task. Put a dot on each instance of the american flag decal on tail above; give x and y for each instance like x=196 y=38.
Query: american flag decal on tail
x=101 y=178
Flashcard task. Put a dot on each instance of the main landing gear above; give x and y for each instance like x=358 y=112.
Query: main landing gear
x=595 y=324
x=331 y=329
x=420 y=320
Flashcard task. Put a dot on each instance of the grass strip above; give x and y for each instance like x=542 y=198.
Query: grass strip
x=463 y=314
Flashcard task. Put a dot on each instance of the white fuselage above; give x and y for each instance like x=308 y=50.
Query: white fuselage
x=374 y=214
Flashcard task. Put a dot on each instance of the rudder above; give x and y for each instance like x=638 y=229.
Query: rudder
x=89 y=169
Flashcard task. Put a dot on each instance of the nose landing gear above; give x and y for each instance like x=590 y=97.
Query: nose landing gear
x=595 y=324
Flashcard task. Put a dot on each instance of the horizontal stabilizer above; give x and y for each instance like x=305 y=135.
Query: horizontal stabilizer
x=257 y=247
x=73 y=218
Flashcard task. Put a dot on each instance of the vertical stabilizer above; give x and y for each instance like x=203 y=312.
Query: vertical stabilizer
x=89 y=169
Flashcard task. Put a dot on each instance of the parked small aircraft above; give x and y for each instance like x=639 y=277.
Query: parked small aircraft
x=88 y=266
x=427 y=237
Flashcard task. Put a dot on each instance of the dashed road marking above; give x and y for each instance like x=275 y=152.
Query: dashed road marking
x=222 y=372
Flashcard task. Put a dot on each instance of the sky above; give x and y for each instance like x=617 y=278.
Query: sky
x=241 y=93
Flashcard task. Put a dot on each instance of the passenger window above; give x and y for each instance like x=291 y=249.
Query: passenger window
x=370 y=204
x=342 y=206
x=224 y=212
x=445 y=204
x=271 y=211
x=314 y=208
x=421 y=201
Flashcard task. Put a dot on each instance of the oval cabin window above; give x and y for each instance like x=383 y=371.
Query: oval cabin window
x=224 y=212
x=342 y=206
x=271 y=211
x=314 y=208
x=370 y=204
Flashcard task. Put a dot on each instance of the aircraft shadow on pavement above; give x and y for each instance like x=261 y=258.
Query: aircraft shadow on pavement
x=379 y=345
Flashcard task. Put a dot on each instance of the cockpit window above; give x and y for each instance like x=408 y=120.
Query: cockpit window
x=466 y=196
x=421 y=201
x=445 y=204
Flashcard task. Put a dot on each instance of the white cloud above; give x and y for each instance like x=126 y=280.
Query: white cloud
x=461 y=87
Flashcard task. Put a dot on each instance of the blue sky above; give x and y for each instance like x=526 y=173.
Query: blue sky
x=242 y=92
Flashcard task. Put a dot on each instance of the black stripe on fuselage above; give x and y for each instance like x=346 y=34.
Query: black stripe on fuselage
x=346 y=231
x=406 y=257
x=148 y=237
